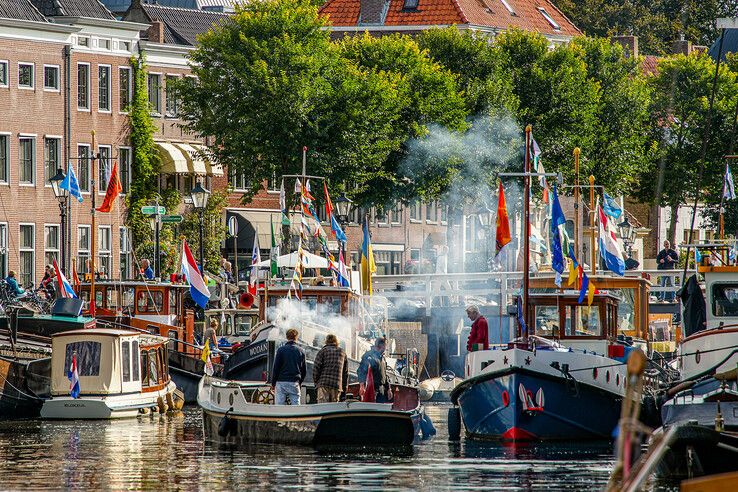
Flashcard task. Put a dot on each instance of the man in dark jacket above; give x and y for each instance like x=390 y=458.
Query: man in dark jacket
x=288 y=371
x=374 y=360
x=665 y=260
x=479 y=334
x=330 y=371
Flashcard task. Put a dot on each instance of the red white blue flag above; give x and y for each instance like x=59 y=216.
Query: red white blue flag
x=198 y=290
x=64 y=286
x=73 y=376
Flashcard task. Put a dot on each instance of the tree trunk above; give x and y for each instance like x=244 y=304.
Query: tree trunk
x=673 y=217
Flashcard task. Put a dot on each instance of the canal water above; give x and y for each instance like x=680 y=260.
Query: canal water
x=168 y=452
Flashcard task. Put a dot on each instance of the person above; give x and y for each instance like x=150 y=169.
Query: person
x=47 y=282
x=666 y=259
x=146 y=269
x=479 y=330
x=330 y=371
x=13 y=284
x=374 y=360
x=288 y=371
x=211 y=334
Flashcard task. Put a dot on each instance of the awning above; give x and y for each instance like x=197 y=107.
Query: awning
x=173 y=160
x=213 y=168
x=194 y=159
x=249 y=223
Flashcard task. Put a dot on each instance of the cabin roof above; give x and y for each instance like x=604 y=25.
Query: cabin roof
x=111 y=332
x=134 y=283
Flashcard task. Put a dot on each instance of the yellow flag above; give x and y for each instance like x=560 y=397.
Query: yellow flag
x=572 y=273
x=590 y=292
x=206 y=351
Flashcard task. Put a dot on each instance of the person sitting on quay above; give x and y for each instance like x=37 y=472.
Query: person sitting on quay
x=479 y=335
x=146 y=269
x=374 y=360
x=330 y=371
x=13 y=284
x=289 y=371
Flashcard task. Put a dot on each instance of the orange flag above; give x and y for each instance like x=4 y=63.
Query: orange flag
x=503 y=222
x=114 y=189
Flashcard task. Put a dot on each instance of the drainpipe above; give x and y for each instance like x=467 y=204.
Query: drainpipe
x=68 y=148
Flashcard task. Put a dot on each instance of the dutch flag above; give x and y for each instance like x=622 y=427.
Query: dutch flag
x=64 y=286
x=73 y=378
x=198 y=290
x=609 y=247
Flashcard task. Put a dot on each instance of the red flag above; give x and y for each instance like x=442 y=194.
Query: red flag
x=328 y=203
x=503 y=222
x=114 y=189
x=75 y=277
x=369 y=394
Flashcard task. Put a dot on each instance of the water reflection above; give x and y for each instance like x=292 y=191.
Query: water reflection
x=169 y=452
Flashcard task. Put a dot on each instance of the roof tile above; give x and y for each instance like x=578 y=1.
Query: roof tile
x=21 y=10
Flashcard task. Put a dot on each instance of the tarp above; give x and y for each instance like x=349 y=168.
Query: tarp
x=695 y=310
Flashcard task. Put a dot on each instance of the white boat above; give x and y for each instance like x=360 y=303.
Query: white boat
x=121 y=374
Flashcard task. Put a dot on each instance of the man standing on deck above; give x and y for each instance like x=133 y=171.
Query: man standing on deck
x=330 y=371
x=666 y=260
x=289 y=371
x=374 y=360
x=479 y=332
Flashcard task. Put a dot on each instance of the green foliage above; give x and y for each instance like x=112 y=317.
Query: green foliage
x=214 y=228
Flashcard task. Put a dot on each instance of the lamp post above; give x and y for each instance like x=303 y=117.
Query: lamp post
x=61 y=196
x=200 y=197
x=628 y=235
x=343 y=207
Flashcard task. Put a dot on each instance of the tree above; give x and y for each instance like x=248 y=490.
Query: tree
x=679 y=113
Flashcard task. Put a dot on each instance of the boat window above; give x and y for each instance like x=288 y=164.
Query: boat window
x=163 y=364
x=88 y=357
x=724 y=300
x=84 y=296
x=135 y=359
x=626 y=308
x=310 y=302
x=244 y=322
x=330 y=305
x=111 y=301
x=173 y=308
x=99 y=297
x=172 y=339
x=547 y=321
x=226 y=325
x=127 y=303
x=126 y=360
x=587 y=321
x=153 y=368
x=150 y=301
x=144 y=367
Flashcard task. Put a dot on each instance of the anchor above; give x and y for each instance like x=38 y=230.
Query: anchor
x=531 y=408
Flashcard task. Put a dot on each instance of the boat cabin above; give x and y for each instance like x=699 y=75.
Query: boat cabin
x=109 y=362
x=323 y=299
x=721 y=294
x=561 y=317
x=235 y=324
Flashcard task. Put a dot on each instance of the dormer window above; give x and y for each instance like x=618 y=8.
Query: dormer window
x=508 y=7
x=410 y=5
x=550 y=19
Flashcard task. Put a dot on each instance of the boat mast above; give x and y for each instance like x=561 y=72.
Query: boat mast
x=526 y=231
x=93 y=228
x=592 y=228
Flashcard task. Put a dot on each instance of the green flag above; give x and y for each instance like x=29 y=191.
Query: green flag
x=274 y=253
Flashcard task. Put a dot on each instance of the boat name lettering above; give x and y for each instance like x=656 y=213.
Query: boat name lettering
x=81 y=405
x=259 y=349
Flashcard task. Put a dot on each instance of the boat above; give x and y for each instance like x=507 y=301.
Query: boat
x=242 y=412
x=122 y=373
x=538 y=388
x=438 y=390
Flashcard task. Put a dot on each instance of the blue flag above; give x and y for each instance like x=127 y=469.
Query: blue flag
x=71 y=185
x=728 y=187
x=584 y=288
x=557 y=220
x=521 y=318
x=336 y=228
x=611 y=207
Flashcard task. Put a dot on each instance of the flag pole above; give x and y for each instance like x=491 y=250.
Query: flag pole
x=722 y=203
x=93 y=228
x=576 y=204
x=526 y=231
x=592 y=228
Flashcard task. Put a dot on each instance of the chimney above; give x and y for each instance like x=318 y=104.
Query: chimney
x=629 y=44
x=681 y=46
x=372 y=12
x=156 y=32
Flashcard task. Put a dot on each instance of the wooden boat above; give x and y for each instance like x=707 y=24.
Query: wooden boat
x=237 y=412
x=121 y=373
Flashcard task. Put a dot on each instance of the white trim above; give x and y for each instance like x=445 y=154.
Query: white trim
x=400 y=248
x=58 y=239
x=155 y=111
x=26 y=250
x=110 y=157
x=34 y=161
x=97 y=43
x=555 y=25
x=7 y=249
x=8 y=135
x=58 y=78
x=59 y=158
x=78 y=161
x=27 y=135
x=110 y=88
x=130 y=87
x=89 y=89
x=50 y=136
x=7 y=74
x=33 y=76
x=508 y=7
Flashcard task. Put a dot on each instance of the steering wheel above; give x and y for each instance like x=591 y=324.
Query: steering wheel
x=448 y=375
x=263 y=397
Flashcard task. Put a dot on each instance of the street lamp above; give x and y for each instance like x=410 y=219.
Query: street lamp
x=343 y=207
x=200 y=197
x=628 y=235
x=61 y=195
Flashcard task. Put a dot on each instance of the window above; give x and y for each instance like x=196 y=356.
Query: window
x=51 y=243
x=382 y=216
x=104 y=243
x=125 y=87
x=51 y=157
x=27 y=159
x=83 y=248
x=103 y=84
x=550 y=19
x=508 y=7
x=4 y=143
x=155 y=92
x=239 y=181
x=125 y=254
x=51 y=77
x=3 y=250
x=88 y=357
x=396 y=214
x=125 y=352
x=124 y=45
x=410 y=5
x=3 y=73
x=27 y=254
x=83 y=174
x=135 y=360
x=415 y=211
x=172 y=103
x=444 y=214
x=124 y=168
x=103 y=44
x=274 y=183
x=104 y=168
x=431 y=212
x=83 y=41
x=83 y=86
x=25 y=75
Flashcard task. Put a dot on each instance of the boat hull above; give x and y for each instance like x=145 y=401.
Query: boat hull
x=16 y=401
x=492 y=408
